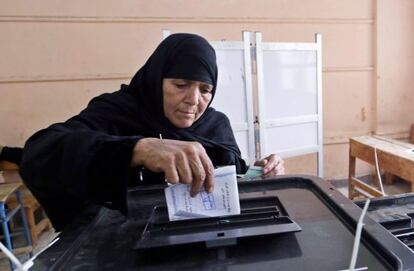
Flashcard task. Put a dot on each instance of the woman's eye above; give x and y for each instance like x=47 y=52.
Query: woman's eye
x=181 y=85
x=206 y=91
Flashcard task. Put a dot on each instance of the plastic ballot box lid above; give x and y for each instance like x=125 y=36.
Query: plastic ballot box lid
x=294 y=222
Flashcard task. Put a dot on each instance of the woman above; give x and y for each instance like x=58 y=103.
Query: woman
x=161 y=122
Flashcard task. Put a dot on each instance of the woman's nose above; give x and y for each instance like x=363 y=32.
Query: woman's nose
x=193 y=96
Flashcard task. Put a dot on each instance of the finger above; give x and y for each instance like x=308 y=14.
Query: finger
x=274 y=161
x=277 y=170
x=209 y=181
x=192 y=151
x=270 y=164
x=203 y=168
x=199 y=175
x=209 y=171
x=183 y=169
x=195 y=187
x=270 y=173
x=261 y=163
x=171 y=174
x=280 y=169
x=197 y=169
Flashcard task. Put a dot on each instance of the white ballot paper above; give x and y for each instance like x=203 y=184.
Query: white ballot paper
x=224 y=200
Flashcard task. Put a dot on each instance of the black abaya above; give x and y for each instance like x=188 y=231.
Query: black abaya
x=87 y=158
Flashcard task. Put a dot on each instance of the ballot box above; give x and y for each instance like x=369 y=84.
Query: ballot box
x=291 y=222
x=395 y=213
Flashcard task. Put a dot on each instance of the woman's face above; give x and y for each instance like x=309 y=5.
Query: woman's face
x=185 y=100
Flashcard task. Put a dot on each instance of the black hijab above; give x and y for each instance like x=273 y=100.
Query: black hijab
x=183 y=56
x=191 y=57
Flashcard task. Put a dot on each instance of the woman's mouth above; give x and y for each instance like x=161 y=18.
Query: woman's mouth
x=186 y=112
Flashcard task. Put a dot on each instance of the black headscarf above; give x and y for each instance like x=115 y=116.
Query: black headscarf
x=183 y=56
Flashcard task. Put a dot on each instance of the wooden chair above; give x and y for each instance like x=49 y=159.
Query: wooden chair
x=7 y=213
x=32 y=208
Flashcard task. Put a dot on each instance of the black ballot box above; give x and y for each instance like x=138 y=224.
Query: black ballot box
x=291 y=222
x=395 y=213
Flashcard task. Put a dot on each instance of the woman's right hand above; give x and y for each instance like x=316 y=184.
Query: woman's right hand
x=181 y=161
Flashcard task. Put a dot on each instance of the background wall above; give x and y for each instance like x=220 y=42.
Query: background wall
x=57 y=55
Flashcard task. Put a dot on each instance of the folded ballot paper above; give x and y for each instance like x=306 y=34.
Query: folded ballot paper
x=224 y=200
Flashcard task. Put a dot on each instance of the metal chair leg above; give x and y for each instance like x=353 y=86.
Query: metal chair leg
x=7 y=238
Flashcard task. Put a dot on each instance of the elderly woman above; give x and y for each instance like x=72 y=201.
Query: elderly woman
x=160 y=125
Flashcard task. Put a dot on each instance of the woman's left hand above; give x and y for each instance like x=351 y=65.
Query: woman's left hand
x=272 y=165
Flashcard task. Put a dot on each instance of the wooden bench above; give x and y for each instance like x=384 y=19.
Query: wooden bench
x=393 y=156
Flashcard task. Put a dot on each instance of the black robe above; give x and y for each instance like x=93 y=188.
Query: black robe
x=11 y=154
x=87 y=159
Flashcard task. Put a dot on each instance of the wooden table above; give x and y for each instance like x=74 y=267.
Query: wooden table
x=395 y=157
